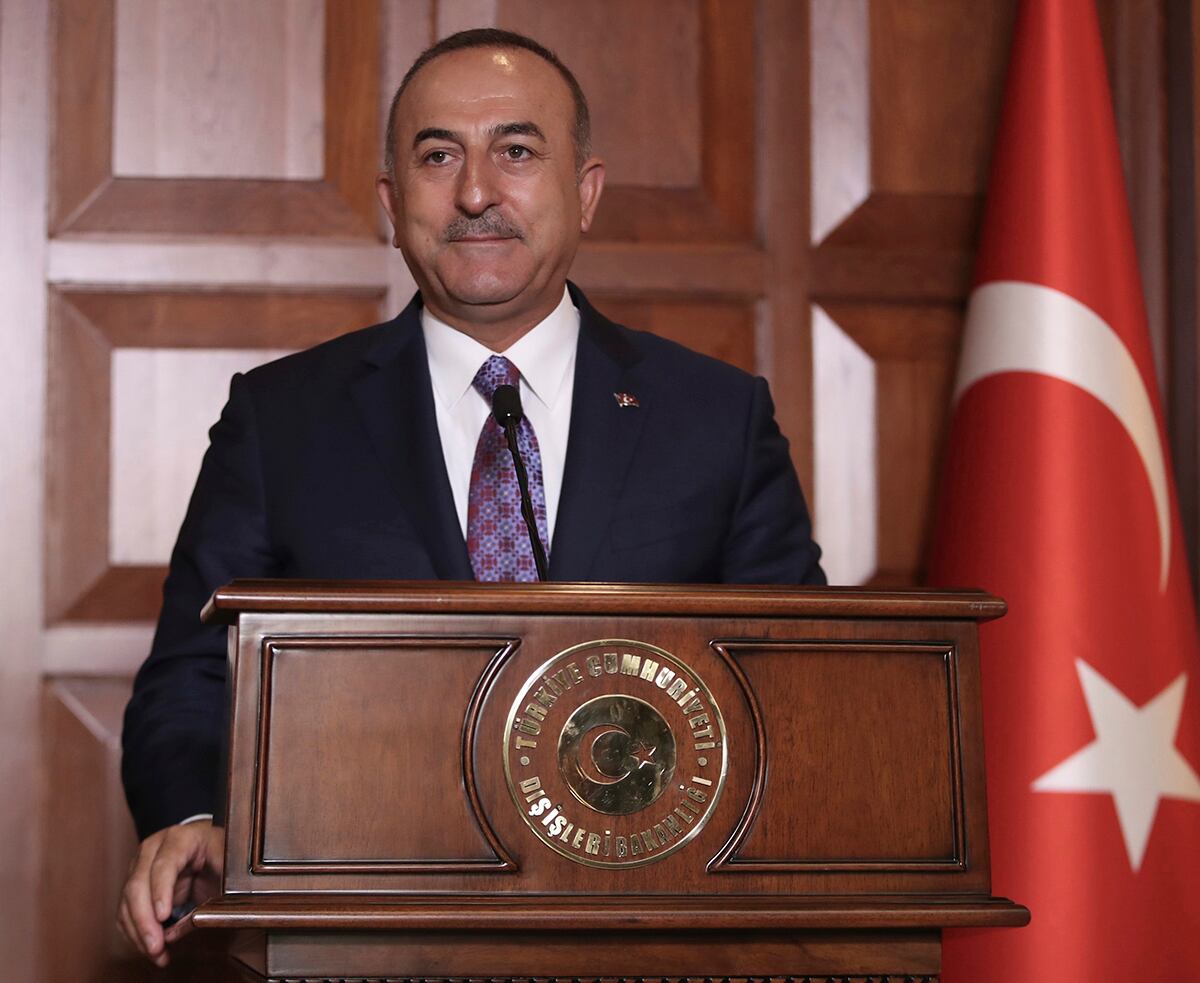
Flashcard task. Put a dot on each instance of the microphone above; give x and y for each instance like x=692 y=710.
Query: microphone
x=506 y=410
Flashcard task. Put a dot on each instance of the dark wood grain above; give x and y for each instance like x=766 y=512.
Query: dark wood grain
x=905 y=808
x=686 y=632
x=223 y=318
x=913 y=131
x=86 y=326
x=914 y=350
x=433 y=913
x=87 y=197
x=689 y=270
x=416 y=597
x=84 y=52
x=353 y=63
x=717 y=327
x=364 y=685
x=899 y=166
x=584 y=954
x=86 y=818
x=121 y=592
x=219 y=206
x=653 y=215
x=1183 y=403
x=784 y=222
x=1136 y=41
x=807 y=978
x=714 y=203
x=372 y=829
x=78 y=415
x=727 y=88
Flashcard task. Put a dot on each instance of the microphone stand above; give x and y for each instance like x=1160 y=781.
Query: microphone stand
x=506 y=408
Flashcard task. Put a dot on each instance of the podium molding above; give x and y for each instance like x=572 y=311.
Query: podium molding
x=582 y=781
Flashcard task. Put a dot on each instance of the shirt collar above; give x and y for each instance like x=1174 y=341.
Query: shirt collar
x=542 y=355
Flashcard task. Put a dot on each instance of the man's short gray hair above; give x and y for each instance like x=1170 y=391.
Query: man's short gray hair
x=492 y=37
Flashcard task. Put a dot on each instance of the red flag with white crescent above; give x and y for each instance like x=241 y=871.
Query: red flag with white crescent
x=1057 y=495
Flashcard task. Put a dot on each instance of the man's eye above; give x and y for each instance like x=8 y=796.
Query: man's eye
x=517 y=152
x=436 y=157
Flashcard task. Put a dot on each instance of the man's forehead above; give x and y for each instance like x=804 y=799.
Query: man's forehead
x=481 y=83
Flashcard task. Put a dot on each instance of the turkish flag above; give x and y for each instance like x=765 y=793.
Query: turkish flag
x=1057 y=495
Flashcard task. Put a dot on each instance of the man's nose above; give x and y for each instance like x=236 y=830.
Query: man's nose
x=478 y=186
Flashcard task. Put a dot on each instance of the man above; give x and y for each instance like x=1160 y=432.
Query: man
x=373 y=456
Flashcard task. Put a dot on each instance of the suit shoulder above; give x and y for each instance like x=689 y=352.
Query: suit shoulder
x=662 y=357
x=335 y=359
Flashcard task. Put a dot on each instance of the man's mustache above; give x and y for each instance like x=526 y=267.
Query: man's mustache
x=490 y=225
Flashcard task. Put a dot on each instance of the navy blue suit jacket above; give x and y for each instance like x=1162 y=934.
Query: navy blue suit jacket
x=327 y=464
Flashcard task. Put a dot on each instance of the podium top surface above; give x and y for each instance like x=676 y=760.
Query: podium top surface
x=432 y=597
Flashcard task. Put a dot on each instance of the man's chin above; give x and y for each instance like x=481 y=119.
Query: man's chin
x=483 y=291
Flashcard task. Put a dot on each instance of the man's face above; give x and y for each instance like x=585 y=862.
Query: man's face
x=488 y=204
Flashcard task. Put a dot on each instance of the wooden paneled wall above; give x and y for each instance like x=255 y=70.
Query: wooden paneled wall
x=1182 y=27
x=905 y=98
x=24 y=87
x=186 y=189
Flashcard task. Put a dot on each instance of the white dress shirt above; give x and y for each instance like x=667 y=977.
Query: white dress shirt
x=545 y=357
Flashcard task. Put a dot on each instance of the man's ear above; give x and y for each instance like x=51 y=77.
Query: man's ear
x=384 y=189
x=591 y=184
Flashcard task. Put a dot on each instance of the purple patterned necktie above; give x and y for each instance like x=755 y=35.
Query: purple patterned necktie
x=497 y=538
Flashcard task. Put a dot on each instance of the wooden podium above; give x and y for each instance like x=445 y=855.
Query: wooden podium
x=573 y=781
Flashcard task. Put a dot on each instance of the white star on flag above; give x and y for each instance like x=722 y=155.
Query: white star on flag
x=1133 y=758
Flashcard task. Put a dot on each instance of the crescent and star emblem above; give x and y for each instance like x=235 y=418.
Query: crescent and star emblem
x=1026 y=327
x=597 y=762
x=609 y=751
x=615 y=753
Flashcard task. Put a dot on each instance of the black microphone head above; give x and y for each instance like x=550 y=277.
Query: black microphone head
x=506 y=405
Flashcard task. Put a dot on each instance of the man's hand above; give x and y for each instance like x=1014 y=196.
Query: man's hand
x=173 y=866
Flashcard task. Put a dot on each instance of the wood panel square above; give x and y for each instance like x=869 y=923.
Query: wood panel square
x=674 y=106
x=722 y=329
x=87 y=823
x=210 y=180
x=198 y=93
x=910 y=353
x=839 y=703
x=100 y=565
x=324 y=809
x=163 y=402
x=642 y=83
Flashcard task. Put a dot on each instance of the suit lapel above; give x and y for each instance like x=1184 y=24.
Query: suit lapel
x=601 y=443
x=395 y=399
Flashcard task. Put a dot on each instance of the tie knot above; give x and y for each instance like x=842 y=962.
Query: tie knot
x=497 y=371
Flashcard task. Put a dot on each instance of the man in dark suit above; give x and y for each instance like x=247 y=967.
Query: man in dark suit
x=367 y=457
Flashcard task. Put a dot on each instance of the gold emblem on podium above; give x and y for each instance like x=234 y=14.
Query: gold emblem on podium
x=615 y=753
